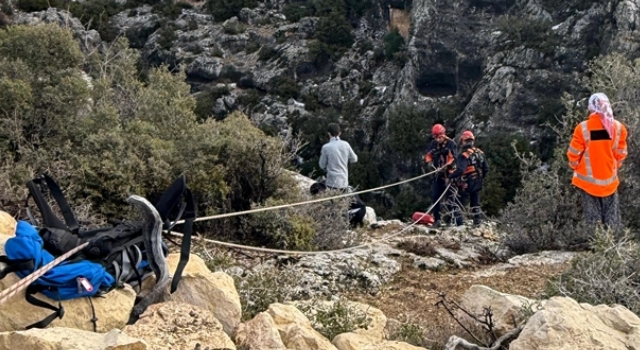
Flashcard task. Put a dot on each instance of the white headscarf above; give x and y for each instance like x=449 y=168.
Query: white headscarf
x=600 y=105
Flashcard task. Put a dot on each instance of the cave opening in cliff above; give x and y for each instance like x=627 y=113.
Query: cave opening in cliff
x=436 y=83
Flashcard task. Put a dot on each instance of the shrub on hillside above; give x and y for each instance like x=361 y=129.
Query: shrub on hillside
x=222 y=10
x=264 y=286
x=317 y=226
x=394 y=46
x=545 y=212
x=504 y=177
x=116 y=135
x=608 y=274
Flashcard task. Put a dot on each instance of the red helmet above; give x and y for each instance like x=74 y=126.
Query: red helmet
x=467 y=135
x=438 y=130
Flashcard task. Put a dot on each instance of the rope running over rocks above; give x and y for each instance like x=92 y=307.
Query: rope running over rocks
x=23 y=283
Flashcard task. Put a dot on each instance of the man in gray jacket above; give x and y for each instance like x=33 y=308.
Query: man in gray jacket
x=334 y=158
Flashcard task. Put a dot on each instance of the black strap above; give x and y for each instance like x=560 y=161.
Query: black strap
x=49 y=219
x=58 y=311
x=14 y=265
x=67 y=213
x=94 y=319
x=171 y=197
x=185 y=248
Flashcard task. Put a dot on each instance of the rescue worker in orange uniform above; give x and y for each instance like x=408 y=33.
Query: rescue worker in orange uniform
x=440 y=155
x=471 y=169
x=596 y=152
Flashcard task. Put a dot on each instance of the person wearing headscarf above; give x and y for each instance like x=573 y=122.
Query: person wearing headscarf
x=596 y=153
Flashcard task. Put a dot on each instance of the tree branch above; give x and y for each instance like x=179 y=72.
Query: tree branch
x=455 y=341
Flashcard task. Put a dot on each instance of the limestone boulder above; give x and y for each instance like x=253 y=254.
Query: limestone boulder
x=295 y=329
x=564 y=324
x=69 y=339
x=179 y=326
x=505 y=307
x=112 y=310
x=260 y=333
x=211 y=291
x=353 y=341
x=371 y=337
x=7 y=224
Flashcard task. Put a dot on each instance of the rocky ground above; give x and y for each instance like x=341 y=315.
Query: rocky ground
x=406 y=275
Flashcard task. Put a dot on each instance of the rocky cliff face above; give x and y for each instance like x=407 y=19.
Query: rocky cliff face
x=505 y=61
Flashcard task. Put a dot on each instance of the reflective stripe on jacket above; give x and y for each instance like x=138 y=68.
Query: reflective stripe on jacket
x=595 y=157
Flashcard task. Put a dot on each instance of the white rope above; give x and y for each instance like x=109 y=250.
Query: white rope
x=257 y=210
x=298 y=252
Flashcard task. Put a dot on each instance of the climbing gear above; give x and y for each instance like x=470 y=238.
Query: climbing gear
x=110 y=256
x=441 y=155
x=422 y=218
x=476 y=158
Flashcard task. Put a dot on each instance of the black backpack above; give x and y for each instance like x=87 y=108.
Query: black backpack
x=120 y=248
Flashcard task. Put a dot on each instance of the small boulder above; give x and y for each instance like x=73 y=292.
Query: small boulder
x=179 y=326
x=506 y=308
x=295 y=329
x=69 y=339
x=212 y=291
x=260 y=333
x=565 y=324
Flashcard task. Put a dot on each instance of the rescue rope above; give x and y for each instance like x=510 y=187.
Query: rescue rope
x=299 y=252
x=257 y=210
x=25 y=282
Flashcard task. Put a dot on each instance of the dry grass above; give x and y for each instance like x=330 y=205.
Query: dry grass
x=412 y=296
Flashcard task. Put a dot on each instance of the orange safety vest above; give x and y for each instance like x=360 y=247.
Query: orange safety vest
x=595 y=157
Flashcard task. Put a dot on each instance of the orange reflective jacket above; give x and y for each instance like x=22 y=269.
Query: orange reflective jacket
x=595 y=157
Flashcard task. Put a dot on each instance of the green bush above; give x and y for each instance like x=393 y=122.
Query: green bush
x=222 y=10
x=95 y=14
x=504 y=177
x=118 y=135
x=335 y=317
x=605 y=275
x=394 y=46
x=294 y=11
x=317 y=226
x=286 y=88
x=264 y=286
x=545 y=213
x=267 y=52
x=410 y=333
x=532 y=33
x=335 y=31
x=167 y=36
x=6 y=7
x=205 y=101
